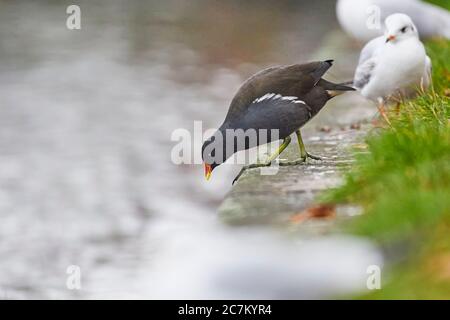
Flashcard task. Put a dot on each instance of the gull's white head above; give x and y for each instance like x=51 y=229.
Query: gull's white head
x=399 y=26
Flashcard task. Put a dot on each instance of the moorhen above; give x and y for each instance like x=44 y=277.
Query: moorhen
x=279 y=99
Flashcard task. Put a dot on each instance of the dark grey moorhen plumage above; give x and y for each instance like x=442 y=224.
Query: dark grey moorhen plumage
x=281 y=98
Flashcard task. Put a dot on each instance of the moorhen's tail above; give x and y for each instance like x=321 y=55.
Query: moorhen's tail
x=335 y=89
x=320 y=69
x=327 y=85
x=347 y=83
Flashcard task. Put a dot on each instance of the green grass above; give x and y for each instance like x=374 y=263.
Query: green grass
x=403 y=185
x=442 y=3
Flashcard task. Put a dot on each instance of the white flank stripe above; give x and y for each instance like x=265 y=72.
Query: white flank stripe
x=273 y=96
x=289 y=98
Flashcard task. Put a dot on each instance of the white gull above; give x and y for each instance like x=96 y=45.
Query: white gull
x=394 y=65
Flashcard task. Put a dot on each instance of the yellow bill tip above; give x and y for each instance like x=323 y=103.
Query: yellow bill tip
x=208 y=171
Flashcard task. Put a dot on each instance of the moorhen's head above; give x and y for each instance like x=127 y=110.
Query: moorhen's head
x=212 y=153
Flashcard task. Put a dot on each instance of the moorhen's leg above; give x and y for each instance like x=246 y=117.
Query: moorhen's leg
x=272 y=158
x=304 y=155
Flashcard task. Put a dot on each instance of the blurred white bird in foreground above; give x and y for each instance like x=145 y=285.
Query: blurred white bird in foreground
x=394 y=65
x=254 y=265
x=362 y=18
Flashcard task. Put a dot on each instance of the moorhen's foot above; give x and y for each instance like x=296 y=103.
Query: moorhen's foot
x=299 y=161
x=292 y=163
x=252 y=166
x=308 y=155
x=281 y=164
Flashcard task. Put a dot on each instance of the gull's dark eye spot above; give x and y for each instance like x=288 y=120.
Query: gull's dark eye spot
x=403 y=30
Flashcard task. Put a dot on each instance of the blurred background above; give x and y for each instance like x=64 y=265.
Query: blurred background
x=86 y=118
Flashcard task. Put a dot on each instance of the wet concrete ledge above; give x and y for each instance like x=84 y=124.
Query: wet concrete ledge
x=272 y=199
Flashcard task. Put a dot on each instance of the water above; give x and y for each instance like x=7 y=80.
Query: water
x=86 y=119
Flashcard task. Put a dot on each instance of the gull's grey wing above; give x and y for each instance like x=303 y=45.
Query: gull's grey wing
x=367 y=62
x=371 y=49
x=363 y=73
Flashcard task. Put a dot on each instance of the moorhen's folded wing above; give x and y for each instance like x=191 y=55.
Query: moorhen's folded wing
x=285 y=114
x=295 y=80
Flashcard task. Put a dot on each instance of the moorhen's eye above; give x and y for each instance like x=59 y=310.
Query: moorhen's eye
x=403 y=30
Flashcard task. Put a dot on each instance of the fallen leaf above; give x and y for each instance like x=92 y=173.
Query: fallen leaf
x=324 y=211
x=447 y=74
x=326 y=129
x=298 y=218
x=440 y=266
